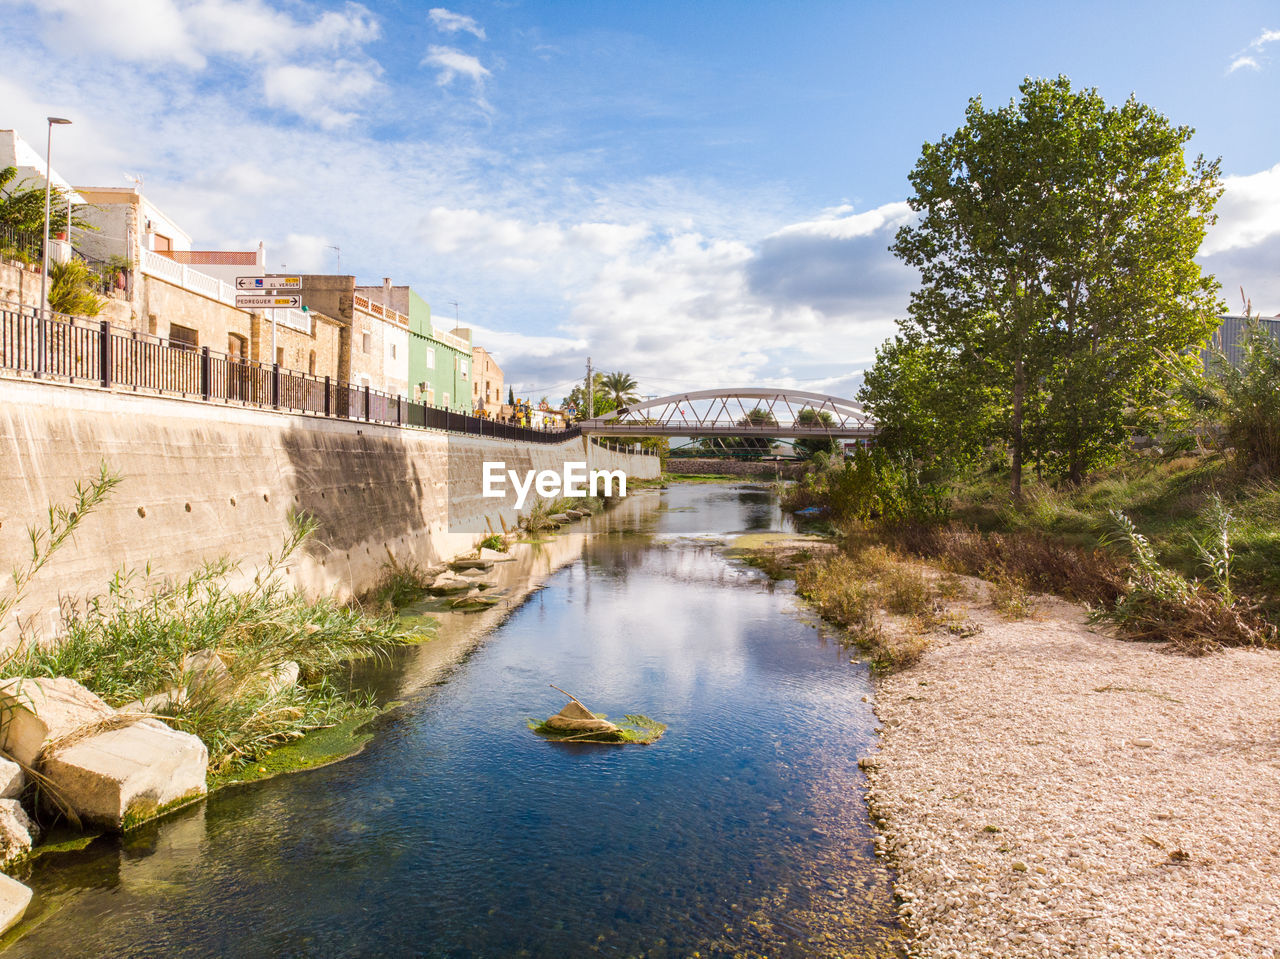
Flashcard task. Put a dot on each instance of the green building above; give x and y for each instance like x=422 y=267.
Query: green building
x=439 y=362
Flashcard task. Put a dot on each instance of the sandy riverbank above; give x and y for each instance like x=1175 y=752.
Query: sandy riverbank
x=1046 y=790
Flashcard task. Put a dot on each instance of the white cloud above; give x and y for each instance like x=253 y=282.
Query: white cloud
x=155 y=31
x=451 y=63
x=1248 y=212
x=446 y=21
x=841 y=223
x=320 y=93
x=250 y=28
x=1248 y=57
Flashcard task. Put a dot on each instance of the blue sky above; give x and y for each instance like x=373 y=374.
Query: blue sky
x=699 y=193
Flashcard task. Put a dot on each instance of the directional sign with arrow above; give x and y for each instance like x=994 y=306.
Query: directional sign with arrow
x=270 y=282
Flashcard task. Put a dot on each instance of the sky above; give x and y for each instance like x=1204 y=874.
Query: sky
x=699 y=193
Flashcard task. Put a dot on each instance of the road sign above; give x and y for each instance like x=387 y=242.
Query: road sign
x=272 y=281
x=250 y=301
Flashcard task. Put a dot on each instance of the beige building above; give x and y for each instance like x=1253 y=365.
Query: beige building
x=486 y=381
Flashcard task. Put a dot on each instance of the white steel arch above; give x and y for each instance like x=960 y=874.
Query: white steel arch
x=778 y=413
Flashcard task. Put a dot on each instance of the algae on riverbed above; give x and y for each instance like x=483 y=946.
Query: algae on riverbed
x=633 y=728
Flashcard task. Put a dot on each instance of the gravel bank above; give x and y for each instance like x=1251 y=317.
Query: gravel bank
x=1045 y=790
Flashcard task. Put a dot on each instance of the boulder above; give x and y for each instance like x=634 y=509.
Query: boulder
x=207 y=674
x=156 y=702
x=121 y=777
x=577 y=718
x=449 y=583
x=17 y=832
x=282 y=677
x=494 y=556
x=14 y=899
x=11 y=779
x=464 y=564
x=37 y=711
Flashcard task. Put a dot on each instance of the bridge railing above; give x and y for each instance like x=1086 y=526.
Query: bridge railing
x=93 y=353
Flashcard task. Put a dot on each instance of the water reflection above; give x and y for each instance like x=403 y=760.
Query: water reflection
x=458 y=833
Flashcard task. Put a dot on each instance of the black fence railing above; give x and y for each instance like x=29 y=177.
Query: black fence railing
x=20 y=244
x=93 y=352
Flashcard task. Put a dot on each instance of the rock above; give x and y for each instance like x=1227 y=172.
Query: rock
x=559 y=519
x=17 y=832
x=156 y=701
x=1144 y=743
x=1019 y=867
x=494 y=556
x=121 y=777
x=206 y=674
x=282 y=677
x=577 y=718
x=41 y=710
x=464 y=564
x=14 y=899
x=11 y=779
x=449 y=583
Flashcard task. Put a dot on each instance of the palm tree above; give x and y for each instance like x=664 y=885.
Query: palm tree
x=622 y=387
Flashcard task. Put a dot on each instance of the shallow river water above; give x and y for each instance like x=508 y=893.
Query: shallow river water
x=459 y=833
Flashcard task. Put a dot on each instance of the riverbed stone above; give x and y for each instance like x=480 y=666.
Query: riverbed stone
x=14 y=900
x=280 y=678
x=449 y=582
x=12 y=779
x=124 y=776
x=495 y=556
x=156 y=702
x=17 y=832
x=577 y=718
x=207 y=674
x=40 y=710
x=465 y=564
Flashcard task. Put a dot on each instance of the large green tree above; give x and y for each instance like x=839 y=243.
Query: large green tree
x=1055 y=241
x=929 y=403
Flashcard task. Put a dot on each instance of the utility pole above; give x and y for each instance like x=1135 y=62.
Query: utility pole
x=591 y=404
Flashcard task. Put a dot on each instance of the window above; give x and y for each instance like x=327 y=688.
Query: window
x=311 y=363
x=446 y=400
x=367 y=341
x=431 y=358
x=393 y=351
x=161 y=243
x=462 y=365
x=183 y=337
x=280 y=355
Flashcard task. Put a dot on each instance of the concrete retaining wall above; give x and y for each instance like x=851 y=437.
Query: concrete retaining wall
x=202 y=482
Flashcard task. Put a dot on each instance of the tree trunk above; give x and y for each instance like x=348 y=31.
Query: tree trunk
x=1015 y=425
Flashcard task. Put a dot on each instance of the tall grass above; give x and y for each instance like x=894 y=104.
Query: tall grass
x=1196 y=616
x=131 y=642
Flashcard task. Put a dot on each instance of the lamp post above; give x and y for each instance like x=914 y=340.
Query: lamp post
x=44 y=251
x=48 y=173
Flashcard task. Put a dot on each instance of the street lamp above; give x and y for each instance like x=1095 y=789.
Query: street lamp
x=48 y=183
x=44 y=252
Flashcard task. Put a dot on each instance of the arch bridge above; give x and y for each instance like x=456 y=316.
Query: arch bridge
x=775 y=413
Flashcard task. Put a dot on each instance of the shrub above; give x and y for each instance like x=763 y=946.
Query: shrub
x=1195 y=616
x=71 y=286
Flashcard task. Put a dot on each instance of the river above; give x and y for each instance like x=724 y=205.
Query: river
x=459 y=833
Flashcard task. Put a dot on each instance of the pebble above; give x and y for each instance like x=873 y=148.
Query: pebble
x=1021 y=729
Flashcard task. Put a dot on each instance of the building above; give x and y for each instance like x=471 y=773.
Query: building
x=486 y=379
x=439 y=363
x=29 y=170
x=188 y=296
x=1229 y=336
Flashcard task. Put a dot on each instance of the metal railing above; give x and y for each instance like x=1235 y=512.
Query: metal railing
x=92 y=352
x=20 y=244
